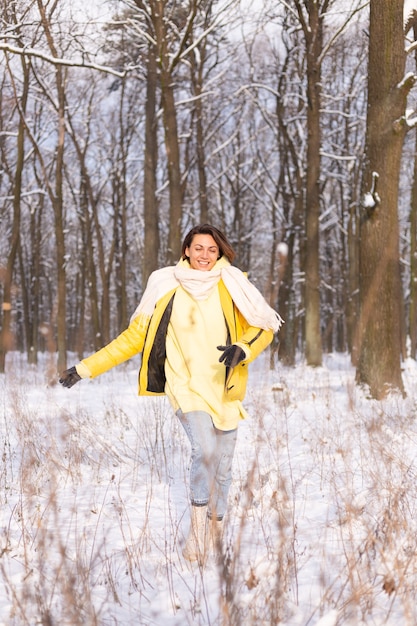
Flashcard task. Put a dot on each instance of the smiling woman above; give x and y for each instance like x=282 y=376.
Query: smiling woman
x=202 y=253
x=198 y=325
x=209 y=238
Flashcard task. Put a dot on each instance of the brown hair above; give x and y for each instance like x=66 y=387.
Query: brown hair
x=225 y=248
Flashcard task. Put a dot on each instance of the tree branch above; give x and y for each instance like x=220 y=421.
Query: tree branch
x=31 y=52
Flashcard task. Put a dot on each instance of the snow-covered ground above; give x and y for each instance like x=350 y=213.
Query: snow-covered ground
x=322 y=526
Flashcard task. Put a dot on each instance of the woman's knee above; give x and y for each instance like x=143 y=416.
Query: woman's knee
x=199 y=428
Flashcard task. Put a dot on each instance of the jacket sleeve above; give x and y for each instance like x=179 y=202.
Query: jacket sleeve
x=252 y=339
x=125 y=346
x=256 y=339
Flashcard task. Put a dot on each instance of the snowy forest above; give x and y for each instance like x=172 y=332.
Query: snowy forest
x=124 y=123
x=290 y=125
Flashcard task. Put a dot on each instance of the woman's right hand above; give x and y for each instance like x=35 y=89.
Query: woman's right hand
x=70 y=377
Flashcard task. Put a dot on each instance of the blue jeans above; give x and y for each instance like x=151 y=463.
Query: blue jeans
x=211 y=461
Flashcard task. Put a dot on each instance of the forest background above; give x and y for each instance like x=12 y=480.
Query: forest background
x=125 y=123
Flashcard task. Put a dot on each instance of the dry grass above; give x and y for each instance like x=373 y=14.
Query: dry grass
x=94 y=507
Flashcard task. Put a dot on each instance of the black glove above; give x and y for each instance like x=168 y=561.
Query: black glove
x=69 y=377
x=232 y=355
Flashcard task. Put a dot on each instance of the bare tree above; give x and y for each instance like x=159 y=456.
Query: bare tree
x=162 y=23
x=21 y=99
x=311 y=14
x=6 y=334
x=380 y=327
x=41 y=49
x=178 y=37
x=56 y=190
x=150 y=209
x=246 y=131
x=411 y=24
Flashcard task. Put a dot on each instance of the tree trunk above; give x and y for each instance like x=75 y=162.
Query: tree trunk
x=379 y=330
x=413 y=262
x=313 y=35
x=57 y=200
x=61 y=321
x=30 y=280
x=413 y=246
x=87 y=276
x=293 y=210
x=173 y=164
x=169 y=114
x=6 y=337
x=150 y=208
x=197 y=62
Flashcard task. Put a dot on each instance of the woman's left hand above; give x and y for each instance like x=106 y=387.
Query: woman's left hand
x=232 y=355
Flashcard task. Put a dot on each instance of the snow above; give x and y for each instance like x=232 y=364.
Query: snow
x=282 y=249
x=368 y=201
x=94 y=509
x=409 y=7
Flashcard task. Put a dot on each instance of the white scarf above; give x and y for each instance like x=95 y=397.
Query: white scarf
x=199 y=285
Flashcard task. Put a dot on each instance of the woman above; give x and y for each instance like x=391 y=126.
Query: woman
x=198 y=325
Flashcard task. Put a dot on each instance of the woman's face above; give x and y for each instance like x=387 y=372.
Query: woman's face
x=203 y=252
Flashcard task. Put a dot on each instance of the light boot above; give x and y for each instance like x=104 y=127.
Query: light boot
x=196 y=546
x=216 y=539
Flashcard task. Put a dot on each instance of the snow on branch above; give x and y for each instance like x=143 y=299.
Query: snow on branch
x=371 y=198
x=407 y=121
x=407 y=82
x=411 y=47
x=409 y=15
x=57 y=61
x=410 y=120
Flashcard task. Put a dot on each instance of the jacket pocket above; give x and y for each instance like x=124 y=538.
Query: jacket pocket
x=235 y=387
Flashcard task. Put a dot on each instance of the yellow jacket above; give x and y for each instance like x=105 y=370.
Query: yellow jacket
x=150 y=337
